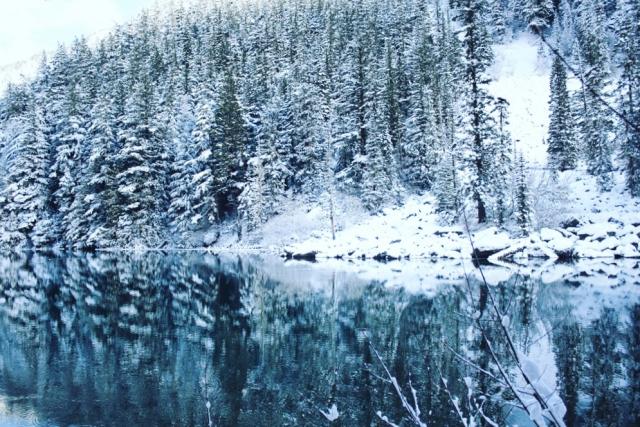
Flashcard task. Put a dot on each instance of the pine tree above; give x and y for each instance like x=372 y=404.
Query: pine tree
x=24 y=196
x=308 y=116
x=596 y=123
x=268 y=169
x=378 y=184
x=501 y=154
x=478 y=122
x=252 y=206
x=205 y=175
x=419 y=147
x=181 y=210
x=497 y=20
x=98 y=199
x=70 y=140
x=141 y=172
x=561 y=149
x=447 y=186
x=392 y=103
x=523 y=206
x=628 y=31
x=229 y=136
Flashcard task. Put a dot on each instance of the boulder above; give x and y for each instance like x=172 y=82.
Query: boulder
x=570 y=223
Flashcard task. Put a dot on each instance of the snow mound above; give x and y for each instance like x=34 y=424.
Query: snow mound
x=410 y=230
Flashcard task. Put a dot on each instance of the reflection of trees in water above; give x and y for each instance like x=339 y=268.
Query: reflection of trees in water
x=149 y=338
x=604 y=370
x=568 y=346
x=633 y=366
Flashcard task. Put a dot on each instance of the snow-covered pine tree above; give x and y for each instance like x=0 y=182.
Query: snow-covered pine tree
x=23 y=201
x=479 y=125
x=201 y=210
x=229 y=137
x=497 y=18
x=252 y=206
x=628 y=32
x=181 y=211
x=447 y=186
x=274 y=146
x=523 y=199
x=66 y=172
x=391 y=100
x=421 y=137
x=99 y=192
x=561 y=149
x=564 y=27
x=596 y=123
x=269 y=172
x=141 y=171
x=501 y=154
x=349 y=103
x=356 y=96
x=377 y=183
x=419 y=147
x=309 y=111
x=448 y=93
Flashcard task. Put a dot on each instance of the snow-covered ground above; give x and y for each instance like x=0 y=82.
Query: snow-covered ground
x=520 y=75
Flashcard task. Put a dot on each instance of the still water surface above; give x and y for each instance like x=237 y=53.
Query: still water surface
x=189 y=339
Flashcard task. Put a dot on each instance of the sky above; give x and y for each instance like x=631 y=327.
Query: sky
x=27 y=27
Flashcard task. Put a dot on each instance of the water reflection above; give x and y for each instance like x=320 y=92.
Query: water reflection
x=126 y=339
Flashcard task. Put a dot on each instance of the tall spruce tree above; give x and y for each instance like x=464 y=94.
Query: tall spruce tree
x=596 y=123
x=501 y=154
x=479 y=125
x=99 y=192
x=202 y=206
x=229 y=136
x=523 y=203
x=141 y=171
x=268 y=169
x=628 y=32
x=561 y=149
x=377 y=183
x=23 y=201
x=181 y=210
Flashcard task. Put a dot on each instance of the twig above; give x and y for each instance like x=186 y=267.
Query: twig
x=414 y=412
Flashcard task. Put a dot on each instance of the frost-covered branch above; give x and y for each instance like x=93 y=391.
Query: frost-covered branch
x=473 y=408
x=412 y=410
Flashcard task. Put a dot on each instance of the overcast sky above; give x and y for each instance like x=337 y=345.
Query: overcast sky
x=27 y=27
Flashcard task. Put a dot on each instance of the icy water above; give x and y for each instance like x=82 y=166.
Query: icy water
x=190 y=339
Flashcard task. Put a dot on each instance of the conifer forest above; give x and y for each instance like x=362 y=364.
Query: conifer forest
x=216 y=113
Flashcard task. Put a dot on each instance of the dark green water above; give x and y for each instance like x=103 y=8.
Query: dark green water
x=148 y=339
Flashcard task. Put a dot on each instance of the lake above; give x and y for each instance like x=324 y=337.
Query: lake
x=186 y=338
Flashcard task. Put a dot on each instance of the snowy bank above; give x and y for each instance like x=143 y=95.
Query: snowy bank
x=413 y=231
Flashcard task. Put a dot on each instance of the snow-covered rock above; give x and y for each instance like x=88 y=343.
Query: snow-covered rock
x=547 y=234
x=627 y=251
x=491 y=240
